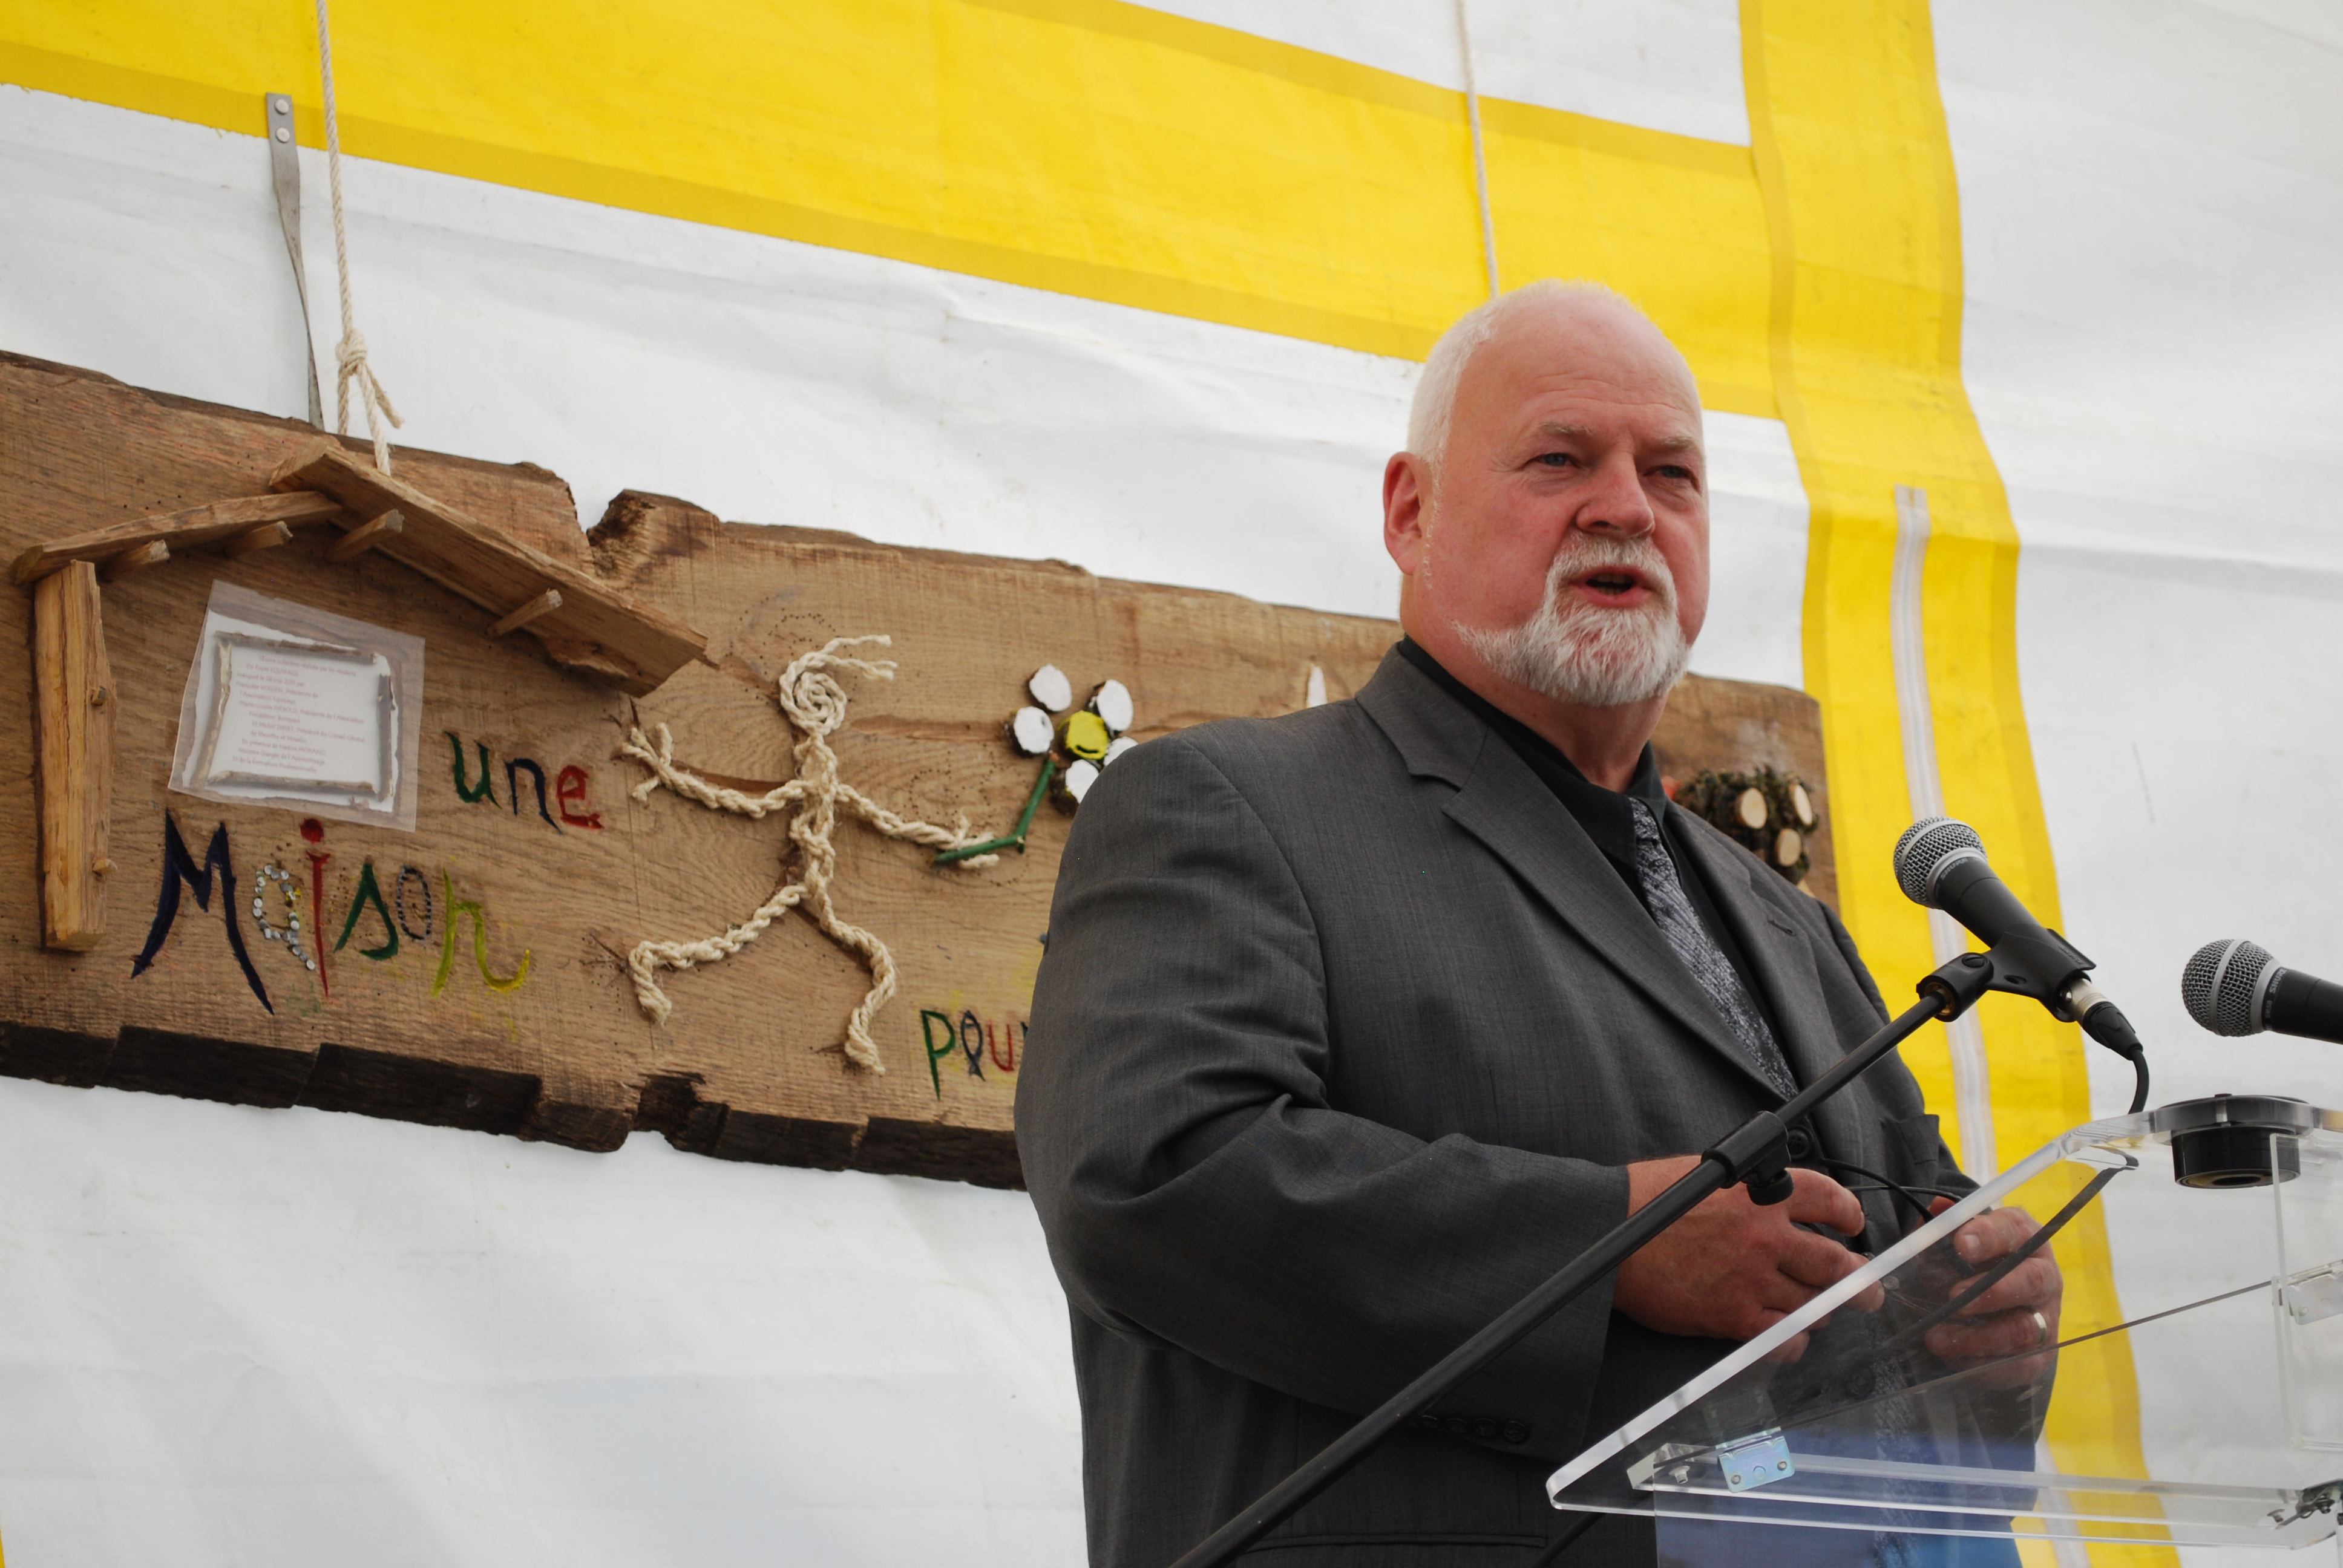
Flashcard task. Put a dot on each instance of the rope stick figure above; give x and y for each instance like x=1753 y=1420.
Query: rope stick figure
x=815 y=704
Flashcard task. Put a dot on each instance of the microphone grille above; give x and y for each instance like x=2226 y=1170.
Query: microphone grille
x=1925 y=848
x=2219 y=983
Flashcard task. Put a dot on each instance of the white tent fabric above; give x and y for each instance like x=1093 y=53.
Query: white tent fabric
x=1663 y=65
x=2155 y=280
x=253 y=1337
x=280 y=1337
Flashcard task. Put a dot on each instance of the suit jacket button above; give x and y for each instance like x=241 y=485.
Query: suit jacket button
x=1456 y=1426
x=1517 y=1432
x=1485 y=1427
x=1428 y=1422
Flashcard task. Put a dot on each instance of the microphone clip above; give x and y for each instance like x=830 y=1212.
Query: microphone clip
x=2045 y=966
x=2052 y=973
x=1956 y=986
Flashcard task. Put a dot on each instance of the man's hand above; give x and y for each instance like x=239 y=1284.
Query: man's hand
x=2020 y=1313
x=1731 y=1269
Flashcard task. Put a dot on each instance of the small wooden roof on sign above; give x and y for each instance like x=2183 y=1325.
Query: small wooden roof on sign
x=591 y=628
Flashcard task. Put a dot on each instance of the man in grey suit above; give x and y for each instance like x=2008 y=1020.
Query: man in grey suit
x=1357 y=1024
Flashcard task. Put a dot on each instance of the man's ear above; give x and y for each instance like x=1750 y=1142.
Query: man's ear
x=1407 y=511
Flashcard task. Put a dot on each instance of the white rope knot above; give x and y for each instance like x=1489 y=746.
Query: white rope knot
x=350 y=353
x=814 y=702
x=350 y=360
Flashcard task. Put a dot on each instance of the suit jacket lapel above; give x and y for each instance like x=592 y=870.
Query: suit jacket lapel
x=1784 y=968
x=1501 y=803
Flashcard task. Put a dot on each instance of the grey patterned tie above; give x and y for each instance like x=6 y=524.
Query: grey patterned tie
x=1710 y=968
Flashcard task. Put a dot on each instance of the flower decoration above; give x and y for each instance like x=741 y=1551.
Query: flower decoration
x=1075 y=746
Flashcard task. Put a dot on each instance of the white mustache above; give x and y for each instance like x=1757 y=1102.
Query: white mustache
x=1594 y=655
x=1588 y=553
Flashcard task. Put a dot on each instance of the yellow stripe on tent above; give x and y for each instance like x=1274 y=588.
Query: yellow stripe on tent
x=1087 y=146
x=1855 y=163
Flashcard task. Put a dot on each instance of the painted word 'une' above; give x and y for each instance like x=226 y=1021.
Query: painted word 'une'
x=411 y=903
x=569 y=786
x=971 y=1041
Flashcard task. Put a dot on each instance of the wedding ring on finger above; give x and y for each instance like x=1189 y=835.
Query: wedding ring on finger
x=2041 y=1331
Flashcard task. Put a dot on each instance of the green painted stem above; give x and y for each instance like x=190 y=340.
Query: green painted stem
x=1015 y=840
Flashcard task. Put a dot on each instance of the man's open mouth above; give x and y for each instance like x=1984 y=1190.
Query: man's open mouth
x=1613 y=582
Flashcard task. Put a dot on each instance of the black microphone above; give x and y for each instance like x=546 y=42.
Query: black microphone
x=2236 y=987
x=1940 y=862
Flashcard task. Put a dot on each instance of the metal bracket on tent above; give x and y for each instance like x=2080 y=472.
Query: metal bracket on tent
x=284 y=170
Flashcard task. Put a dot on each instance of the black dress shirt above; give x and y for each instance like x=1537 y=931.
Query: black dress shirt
x=1605 y=814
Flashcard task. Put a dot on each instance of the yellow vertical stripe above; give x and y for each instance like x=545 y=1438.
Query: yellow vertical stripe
x=1855 y=164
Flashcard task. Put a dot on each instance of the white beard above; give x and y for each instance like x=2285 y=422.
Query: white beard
x=1578 y=652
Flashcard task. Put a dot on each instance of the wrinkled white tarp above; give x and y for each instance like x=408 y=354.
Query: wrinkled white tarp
x=293 y=1337
x=286 y=1337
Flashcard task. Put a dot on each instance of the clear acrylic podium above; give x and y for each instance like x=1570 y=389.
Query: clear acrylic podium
x=2192 y=1398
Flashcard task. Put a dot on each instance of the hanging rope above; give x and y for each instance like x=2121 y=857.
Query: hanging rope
x=815 y=703
x=1480 y=154
x=350 y=353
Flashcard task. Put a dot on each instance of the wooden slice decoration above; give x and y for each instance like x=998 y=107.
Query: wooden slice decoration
x=1111 y=702
x=1051 y=688
x=1788 y=845
x=1030 y=731
x=1752 y=808
x=1075 y=782
x=1802 y=805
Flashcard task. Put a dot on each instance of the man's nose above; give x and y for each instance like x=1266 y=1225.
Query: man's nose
x=1616 y=503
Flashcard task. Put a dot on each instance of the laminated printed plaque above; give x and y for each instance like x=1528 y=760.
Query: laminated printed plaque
x=294 y=707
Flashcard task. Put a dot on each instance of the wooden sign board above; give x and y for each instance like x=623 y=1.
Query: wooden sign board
x=474 y=972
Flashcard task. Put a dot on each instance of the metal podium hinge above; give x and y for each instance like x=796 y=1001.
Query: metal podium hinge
x=2316 y=1294
x=1757 y=1461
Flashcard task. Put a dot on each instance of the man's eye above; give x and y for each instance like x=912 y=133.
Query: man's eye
x=1672 y=471
x=1556 y=459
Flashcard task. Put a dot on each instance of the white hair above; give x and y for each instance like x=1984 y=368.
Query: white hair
x=1434 y=407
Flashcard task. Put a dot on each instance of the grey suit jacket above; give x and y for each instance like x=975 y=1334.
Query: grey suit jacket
x=1343 y=1035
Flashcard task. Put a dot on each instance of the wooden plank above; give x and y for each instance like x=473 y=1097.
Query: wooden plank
x=267 y=537
x=170 y=453
x=364 y=536
x=605 y=634
x=544 y=604
x=74 y=707
x=136 y=559
x=184 y=530
x=473 y=972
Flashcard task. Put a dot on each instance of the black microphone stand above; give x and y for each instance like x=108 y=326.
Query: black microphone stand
x=1757 y=1153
